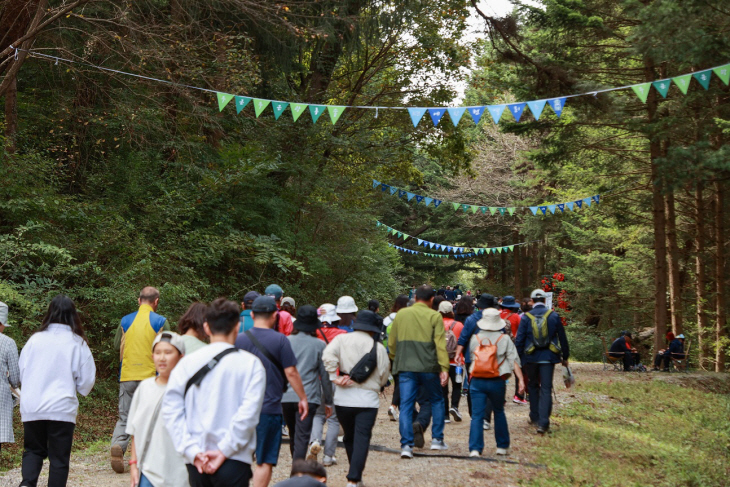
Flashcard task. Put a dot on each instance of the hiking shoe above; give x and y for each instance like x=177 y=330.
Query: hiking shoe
x=329 y=461
x=487 y=426
x=117 y=459
x=541 y=430
x=446 y=421
x=517 y=400
x=474 y=453
x=502 y=451
x=455 y=414
x=406 y=452
x=393 y=413
x=313 y=451
x=418 y=440
x=284 y=431
x=438 y=445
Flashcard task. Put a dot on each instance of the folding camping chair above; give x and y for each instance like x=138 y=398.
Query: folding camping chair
x=608 y=360
x=681 y=364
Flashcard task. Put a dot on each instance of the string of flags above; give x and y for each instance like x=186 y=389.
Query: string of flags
x=449 y=249
x=493 y=210
x=441 y=256
x=683 y=82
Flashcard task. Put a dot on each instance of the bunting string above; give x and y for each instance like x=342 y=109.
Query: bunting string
x=436 y=114
x=439 y=256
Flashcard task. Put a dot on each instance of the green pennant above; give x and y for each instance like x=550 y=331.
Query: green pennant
x=642 y=91
x=683 y=82
x=260 y=105
x=456 y=206
x=405 y=237
x=400 y=234
x=474 y=209
x=484 y=209
x=492 y=210
x=511 y=248
x=297 y=109
x=500 y=249
x=465 y=208
x=511 y=211
x=703 y=78
x=316 y=111
x=279 y=107
x=662 y=86
x=723 y=72
x=393 y=231
x=335 y=112
x=241 y=102
x=502 y=210
x=223 y=99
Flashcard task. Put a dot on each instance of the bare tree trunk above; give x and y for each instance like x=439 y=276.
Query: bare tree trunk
x=517 y=258
x=675 y=287
x=525 y=278
x=700 y=276
x=503 y=265
x=492 y=271
x=720 y=276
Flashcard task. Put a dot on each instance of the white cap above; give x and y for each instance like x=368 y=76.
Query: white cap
x=346 y=304
x=538 y=293
x=172 y=338
x=327 y=313
x=288 y=300
x=446 y=307
x=4 y=314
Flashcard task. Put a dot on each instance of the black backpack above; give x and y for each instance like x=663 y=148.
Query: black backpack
x=365 y=367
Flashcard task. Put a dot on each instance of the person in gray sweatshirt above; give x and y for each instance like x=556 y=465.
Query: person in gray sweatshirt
x=317 y=386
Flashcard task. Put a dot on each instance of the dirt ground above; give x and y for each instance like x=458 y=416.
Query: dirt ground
x=387 y=468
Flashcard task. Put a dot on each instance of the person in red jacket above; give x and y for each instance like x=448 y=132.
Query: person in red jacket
x=509 y=311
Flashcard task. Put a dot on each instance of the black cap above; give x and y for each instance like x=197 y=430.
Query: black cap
x=264 y=304
x=250 y=297
x=368 y=321
x=307 y=319
x=486 y=301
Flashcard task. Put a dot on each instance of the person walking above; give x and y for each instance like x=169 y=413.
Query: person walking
x=134 y=340
x=509 y=312
x=275 y=352
x=541 y=343
x=400 y=302
x=246 y=319
x=8 y=368
x=284 y=323
x=212 y=404
x=357 y=394
x=190 y=327
x=346 y=309
x=453 y=330
x=488 y=382
x=418 y=350
x=317 y=386
x=55 y=365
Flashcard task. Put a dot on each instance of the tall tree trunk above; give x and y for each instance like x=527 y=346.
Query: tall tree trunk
x=503 y=265
x=700 y=290
x=526 y=265
x=492 y=270
x=720 y=276
x=517 y=257
x=675 y=287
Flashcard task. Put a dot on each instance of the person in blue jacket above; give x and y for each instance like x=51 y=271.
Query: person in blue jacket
x=676 y=351
x=538 y=364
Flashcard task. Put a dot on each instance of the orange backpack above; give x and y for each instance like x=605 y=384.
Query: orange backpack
x=484 y=363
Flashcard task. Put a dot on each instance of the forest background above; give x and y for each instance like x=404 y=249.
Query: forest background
x=111 y=183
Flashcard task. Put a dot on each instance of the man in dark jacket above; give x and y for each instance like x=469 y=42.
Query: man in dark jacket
x=676 y=351
x=621 y=348
x=539 y=363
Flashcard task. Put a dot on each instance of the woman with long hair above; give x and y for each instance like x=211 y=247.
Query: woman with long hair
x=400 y=302
x=190 y=327
x=55 y=365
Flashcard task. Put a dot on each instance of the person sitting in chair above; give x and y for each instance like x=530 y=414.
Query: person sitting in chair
x=659 y=358
x=676 y=352
x=621 y=348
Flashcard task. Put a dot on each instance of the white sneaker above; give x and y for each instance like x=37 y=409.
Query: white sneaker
x=487 y=426
x=406 y=452
x=393 y=413
x=474 y=453
x=329 y=461
x=502 y=451
x=284 y=431
x=438 y=445
x=313 y=451
x=447 y=421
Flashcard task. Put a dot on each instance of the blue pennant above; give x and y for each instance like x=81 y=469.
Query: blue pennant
x=561 y=207
x=516 y=109
x=410 y=196
x=496 y=111
x=456 y=114
x=533 y=209
x=587 y=201
x=579 y=203
x=557 y=104
x=419 y=198
x=402 y=193
x=436 y=203
x=416 y=114
x=570 y=205
x=393 y=189
x=436 y=114
x=376 y=183
x=476 y=113
x=597 y=198
x=419 y=241
x=385 y=187
x=428 y=200
x=552 y=209
x=536 y=108
x=543 y=209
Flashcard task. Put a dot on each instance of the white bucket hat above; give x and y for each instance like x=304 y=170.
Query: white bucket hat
x=538 y=293
x=346 y=304
x=491 y=320
x=446 y=307
x=327 y=313
x=4 y=314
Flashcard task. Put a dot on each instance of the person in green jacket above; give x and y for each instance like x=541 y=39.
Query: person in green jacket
x=417 y=344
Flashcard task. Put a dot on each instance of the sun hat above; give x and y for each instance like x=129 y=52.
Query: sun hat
x=264 y=304
x=681 y=335
x=288 y=300
x=274 y=290
x=172 y=338
x=346 y=304
x=446 y=307
x=491 y=320
x=538 y=293
x=368 y=321
x=486 y=301
x=307 y=319
x=327 y=313
x=249 y=298
x=4 y=314
x=509 y=302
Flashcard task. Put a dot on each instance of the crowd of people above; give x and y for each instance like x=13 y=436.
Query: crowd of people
x=191 y=415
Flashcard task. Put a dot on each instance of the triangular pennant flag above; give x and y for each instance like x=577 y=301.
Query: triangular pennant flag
x=533 y=209
x=642 y=91
x=579 y=203
x=393 y=189
x=439 y=247
x=260 y=105
x=297 y=109
x=516 y=109
x=436 y=203
x=428 y=200
x=703 y=77
x=597 y=198
x=496 y=111
x=500 y=249
x=570 y=205
x=502 y=210
x=378 y=223
x=316 y=111
x=419 y=198
x=223 y=99
x=436 y=114
x=402 y=193
x=410 y=196
x=241 y=102
x=484 y=209
x=723 y=72
x=511 y=211
x=587 y=201
x=384 y=187
x=536 y=107
x=561 y=207
x=682 y=82
x=405 y=237
x=455 y=114
x=476 y=113
x=492 y=210
x=400 y=234
x=557 y=104
x=543 y=209
x=279 y=107
x=376 y=183
x=431 y=244
x=456 y=206
x=662 y=86
x=511 y=248
x=474 y=209
x=465 y=208
x=552 y=209
x=335 y=112
x=416 y=114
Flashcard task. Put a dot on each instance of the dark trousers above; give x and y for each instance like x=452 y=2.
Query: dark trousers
x=396 y=392
x=627 y=357
x=47 y=439
x=358 y=425
x=231 y=474
x=455 y=391
x=540 y=385
x=423 y=415
x=299 y=430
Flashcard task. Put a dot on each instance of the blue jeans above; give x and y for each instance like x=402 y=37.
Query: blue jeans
x=143 y=482
x=409 y=383
x=485 y=391
x=540 y=387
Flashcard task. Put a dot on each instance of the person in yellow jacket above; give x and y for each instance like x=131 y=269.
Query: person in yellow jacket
x=134 y=340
